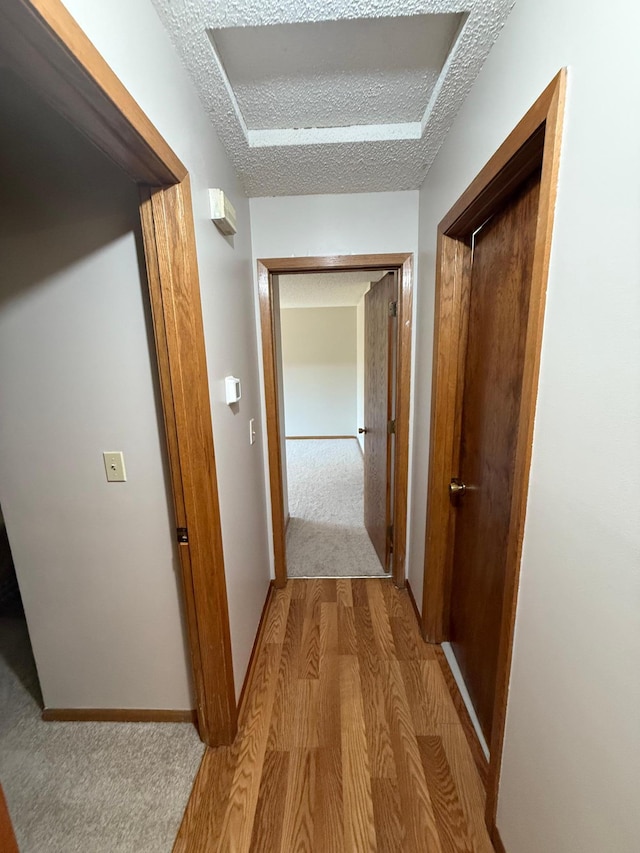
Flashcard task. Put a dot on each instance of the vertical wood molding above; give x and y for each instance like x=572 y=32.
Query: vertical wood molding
x=41 y=42
x=168 y=232
x=403 y=408
x=534 y=142
x=524 y=446
x=274 y=427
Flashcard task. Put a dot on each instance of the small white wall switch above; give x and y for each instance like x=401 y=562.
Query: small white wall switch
x=114 y=466
x=232 y=389
x=223 y=213
x=252 y=431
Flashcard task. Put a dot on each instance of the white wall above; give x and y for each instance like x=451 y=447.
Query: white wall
x=571 y=769
x=319 y=362
x=96 y=562
x=360 y=370
x=131 y=38
x=349 y=224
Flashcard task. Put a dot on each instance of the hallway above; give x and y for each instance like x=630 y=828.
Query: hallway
x=349 y=739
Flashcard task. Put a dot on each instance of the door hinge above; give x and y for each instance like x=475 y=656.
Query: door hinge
x=391 y=426
x=393 y=309
x=390 y=536
x=183 y=535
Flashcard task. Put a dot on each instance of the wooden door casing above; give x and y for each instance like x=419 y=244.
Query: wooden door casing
x=533 y=145
x=378 y=411
x=42 y=43
x=497 y=326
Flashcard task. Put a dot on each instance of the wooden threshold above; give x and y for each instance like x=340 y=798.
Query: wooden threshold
x=317 y=437
x=118 y=715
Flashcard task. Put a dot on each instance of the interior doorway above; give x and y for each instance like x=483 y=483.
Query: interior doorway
x=73 y=77
x=491 y=275
x=370 y=537
x=335 y=344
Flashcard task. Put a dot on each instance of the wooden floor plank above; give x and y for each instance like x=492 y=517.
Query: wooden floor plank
x=297 y=830
x=468 y=785
x=419 y=819
x=343 y=591
x=204 y=816
x=359 y=827
x=450 y=819
x=380 y=621
x=349 y=741
x=309 y=660
x=269 y=819
x=275 y=622
x=280 y=731
x=252 y=743
x=429 y=699
x=387 y=815
x=328 y=827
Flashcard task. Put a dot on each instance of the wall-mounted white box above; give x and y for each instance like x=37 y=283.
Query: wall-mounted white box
x=223 y=213
x=232 y=389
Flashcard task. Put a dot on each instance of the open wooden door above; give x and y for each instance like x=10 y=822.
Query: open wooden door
x=380 y=311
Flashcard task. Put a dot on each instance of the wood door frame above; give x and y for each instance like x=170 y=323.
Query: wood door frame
x=44 y=45
x=402 y=263
x=534 y=143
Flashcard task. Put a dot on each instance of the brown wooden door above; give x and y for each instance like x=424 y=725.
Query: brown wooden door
x=498 y=312
x=379 y=332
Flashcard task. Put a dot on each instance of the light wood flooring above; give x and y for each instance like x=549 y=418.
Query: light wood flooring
x=349 y=739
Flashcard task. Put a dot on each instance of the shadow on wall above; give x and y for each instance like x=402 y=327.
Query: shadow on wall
x=28 y=179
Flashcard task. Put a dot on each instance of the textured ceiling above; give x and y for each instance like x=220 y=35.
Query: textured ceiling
x=293 y=124
x=335 y=73
x=325 y=290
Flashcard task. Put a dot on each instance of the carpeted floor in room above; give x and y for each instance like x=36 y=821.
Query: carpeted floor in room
x=87 y=787
x=326 y=536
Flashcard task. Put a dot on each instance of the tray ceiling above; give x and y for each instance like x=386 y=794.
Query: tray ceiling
x=334 y=97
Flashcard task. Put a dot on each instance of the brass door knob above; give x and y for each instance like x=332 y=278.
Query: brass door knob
x=456 y=488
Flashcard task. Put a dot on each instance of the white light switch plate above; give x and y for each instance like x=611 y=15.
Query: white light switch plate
x=114 y=466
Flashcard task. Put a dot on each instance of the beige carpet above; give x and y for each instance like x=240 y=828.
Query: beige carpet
x=87 y=787
x=326 y=536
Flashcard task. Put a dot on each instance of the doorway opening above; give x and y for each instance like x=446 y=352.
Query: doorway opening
x=491 y=276
x=43 y=45
x=314 y=445
x=336 y=339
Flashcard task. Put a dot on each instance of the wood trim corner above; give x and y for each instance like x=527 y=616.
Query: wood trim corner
x=45 y=45
x=496 y=840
